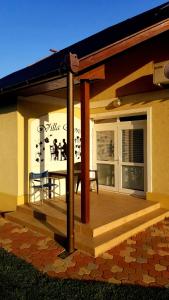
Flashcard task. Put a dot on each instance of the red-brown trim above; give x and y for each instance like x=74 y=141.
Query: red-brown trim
x=97 y=73
x=85 y=142
x=122 y=45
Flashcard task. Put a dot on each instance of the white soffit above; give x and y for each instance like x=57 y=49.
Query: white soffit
x=45 y=99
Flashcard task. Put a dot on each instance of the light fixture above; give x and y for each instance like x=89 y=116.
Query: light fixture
x=116 y=102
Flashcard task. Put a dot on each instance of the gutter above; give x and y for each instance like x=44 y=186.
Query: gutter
x=70 y=63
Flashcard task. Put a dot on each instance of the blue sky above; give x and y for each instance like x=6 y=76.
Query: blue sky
x=28 y=29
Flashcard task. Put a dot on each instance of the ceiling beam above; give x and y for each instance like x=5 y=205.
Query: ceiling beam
x=96 y=73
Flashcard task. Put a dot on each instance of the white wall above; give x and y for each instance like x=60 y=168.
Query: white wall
x=43 y=133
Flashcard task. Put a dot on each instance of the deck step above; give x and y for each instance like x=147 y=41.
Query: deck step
x=55 y=213
x=52 y=214
x=36 y=224
x=50 y=208
x=123 y=220
x=112 y=238
x=50 y=219
x=52 y=229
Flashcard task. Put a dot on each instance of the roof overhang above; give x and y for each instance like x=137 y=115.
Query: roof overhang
x=88 y=65
x=124 y=44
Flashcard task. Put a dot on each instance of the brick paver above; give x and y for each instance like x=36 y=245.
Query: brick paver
x=142 y=259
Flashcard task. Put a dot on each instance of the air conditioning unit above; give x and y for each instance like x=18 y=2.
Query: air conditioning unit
x=161 y=73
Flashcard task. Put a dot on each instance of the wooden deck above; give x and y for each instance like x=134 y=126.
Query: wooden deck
x=114 y=217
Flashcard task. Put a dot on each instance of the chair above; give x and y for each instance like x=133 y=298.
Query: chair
x=42 y=183
x=52 y=153
x=77 y=166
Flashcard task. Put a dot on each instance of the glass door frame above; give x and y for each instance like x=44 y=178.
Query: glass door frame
x=109 y=126
x=117 y=127
x=132 y=125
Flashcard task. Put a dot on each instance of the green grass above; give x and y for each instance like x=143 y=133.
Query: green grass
x=19 y=280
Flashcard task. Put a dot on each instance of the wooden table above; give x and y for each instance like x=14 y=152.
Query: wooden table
x=60 y=174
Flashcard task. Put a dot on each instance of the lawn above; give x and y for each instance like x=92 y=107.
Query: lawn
x=20 y=280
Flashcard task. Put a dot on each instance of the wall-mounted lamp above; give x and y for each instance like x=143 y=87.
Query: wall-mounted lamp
x=116 y=102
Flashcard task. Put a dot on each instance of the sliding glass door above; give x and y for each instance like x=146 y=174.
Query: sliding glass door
x=132 y=163
x=120 y=156
x=105 y=154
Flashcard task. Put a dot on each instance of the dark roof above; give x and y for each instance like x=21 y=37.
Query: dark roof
x=50 y=65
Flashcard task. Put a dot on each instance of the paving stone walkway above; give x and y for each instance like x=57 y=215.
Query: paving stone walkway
x=142 y=259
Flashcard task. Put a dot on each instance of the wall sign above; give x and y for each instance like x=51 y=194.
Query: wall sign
x=49 y=142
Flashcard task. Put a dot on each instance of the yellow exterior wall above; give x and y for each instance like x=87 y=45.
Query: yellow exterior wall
x=112 y=85
x=160 y=138
x=20 y=154
x=160 y=197
x=8 y=158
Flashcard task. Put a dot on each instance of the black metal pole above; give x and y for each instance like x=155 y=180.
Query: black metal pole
x=70 y=164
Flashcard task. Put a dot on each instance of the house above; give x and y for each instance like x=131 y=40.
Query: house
x=121 y=91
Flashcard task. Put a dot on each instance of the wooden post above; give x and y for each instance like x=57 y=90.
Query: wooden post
x=70 y=164
x=85 y=142
x=72 y=64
